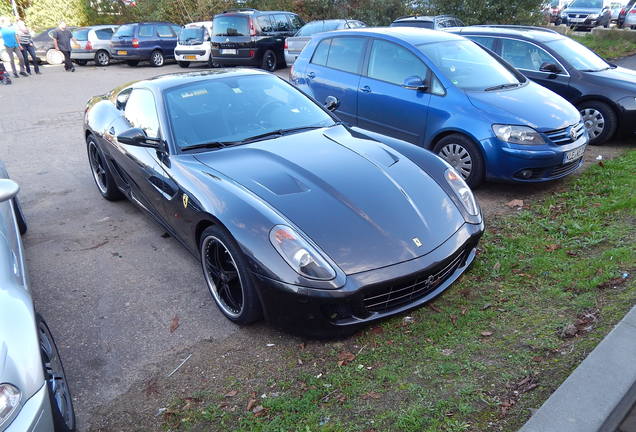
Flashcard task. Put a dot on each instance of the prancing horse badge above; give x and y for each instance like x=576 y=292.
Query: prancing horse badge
x=417 y=242
x=185 y=201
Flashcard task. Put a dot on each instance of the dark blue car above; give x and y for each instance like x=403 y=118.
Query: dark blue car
x=447 y=94
x=148 y=41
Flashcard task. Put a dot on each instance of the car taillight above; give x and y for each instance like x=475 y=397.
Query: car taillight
x=632 y=11
x=286 y=45
x=252 y=29
x=89 y=46
x=135 y=43
x=252 y=53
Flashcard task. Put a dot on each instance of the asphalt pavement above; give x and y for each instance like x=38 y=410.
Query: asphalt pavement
x=103 y=274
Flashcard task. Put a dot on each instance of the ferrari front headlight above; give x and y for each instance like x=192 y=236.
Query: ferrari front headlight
x=462 y=191
x=299 y=254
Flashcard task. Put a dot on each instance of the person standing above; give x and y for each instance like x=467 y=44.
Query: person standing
x=12 y=45
x=62 y=38
x=26 y=42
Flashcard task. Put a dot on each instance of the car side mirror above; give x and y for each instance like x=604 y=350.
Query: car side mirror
x=331 y=103
x=550 y=68
x=8 y=189
x=414 y=83
x=137 y=137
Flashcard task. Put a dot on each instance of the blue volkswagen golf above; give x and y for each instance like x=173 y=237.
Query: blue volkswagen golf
x=447 y=94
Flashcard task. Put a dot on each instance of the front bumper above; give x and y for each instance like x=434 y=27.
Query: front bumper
x=372 y=295
x=587 y=23
x=35 y=415
x=243 y=57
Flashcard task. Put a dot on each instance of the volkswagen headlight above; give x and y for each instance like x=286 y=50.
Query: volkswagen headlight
x=518 y=134
x=9 y=401
x=462 y=191
x=299 y=254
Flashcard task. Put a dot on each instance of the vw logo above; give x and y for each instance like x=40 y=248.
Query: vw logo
x=227 y=39
x=573 y=134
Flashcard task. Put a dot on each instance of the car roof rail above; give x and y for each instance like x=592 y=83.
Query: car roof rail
x=517 y=27
x=240 y=10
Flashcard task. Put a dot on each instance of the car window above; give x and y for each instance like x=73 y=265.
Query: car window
x=264 y=23
x=346 y=53
x=392 y=63
x=592 y=4
x=164 y=30
x=524 y=55
x=175 y=29
x=141 y=112
x=104 y=34
x=281 y=24
x=443 y=22
x=81 y=34
x=231 y=25
x=417 y=24
x=355 y=24
x=484 y=41
x=321 y=53
x=332 y=25
x=125 y=30
x=296 y=22
x=146 y=31
x=579 y=56
x=311 y=28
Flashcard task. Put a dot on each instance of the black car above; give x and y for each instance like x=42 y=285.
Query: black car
x=605 y=94
x=292 y=214
x=147 y=41
x=45 y=47
x=249 y=37
x=429 y=22
x=586 y=14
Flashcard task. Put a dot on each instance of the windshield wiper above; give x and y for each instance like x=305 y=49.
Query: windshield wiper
x=279 y=132
x=208 y=145
x=502 y=86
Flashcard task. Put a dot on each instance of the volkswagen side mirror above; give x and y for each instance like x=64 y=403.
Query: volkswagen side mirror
x=415 y=83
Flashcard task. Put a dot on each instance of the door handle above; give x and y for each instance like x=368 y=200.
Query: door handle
x=311 y=75
x=366 y=89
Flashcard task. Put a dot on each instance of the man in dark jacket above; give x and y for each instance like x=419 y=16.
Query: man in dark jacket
x=62 y=38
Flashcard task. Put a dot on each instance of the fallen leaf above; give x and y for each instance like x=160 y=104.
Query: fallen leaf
x=377 y=330
x=464 y=310
x=486 y=333
x=612 y=283
x=572 y=254
x=537 y=359
x=447 y=352
x=257 y=409
x=389 y=342
x=407 y=320
x=434 y=308
x=231 y=393
x=515 y=203
x=486 y=306
x=174 y=324
x=552 y=247
x=251 y=404
x=300 y=362
x=453 y=319
x=497 y=266
x=345 y=357
x=371 y=395
x=601 y=164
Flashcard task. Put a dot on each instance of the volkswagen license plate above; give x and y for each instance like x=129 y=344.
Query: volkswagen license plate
x=574 y=154
x=228 y=52
x=122 y=52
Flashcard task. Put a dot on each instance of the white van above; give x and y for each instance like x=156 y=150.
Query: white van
x=193 y=44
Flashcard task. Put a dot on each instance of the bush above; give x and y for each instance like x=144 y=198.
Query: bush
x=42 y=14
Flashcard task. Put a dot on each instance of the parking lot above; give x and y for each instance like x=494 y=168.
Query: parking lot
x=121 y=297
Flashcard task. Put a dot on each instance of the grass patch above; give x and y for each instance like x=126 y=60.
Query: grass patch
x=608 y=48
x=547 y=286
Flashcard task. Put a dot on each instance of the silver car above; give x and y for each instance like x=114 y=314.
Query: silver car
x=34 y=395
x=630 y=18
x=93 y=44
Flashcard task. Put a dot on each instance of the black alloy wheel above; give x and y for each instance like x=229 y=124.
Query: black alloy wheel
x=269 y=61
x=101 y=173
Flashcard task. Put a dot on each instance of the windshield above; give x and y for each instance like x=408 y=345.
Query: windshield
x=233 y=109
x=418 y=24
x=231 y=25
x=467 y=65
x=577 y=55
x=191 y=34
x=125 y=31
x=586 y=4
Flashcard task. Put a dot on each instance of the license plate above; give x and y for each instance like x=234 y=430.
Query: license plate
x=228 y=52
x=574 y=154
x=577 y=19
x=189 y=57
x=122 y=52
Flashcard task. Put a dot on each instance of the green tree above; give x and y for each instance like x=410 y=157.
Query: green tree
x=486 y=11
x=41 y=14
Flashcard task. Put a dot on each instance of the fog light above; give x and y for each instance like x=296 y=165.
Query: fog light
x=525 y=174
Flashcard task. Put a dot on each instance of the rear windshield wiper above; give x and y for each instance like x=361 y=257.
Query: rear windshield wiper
x=208 y=145
x=502 y=86
x=279 y=132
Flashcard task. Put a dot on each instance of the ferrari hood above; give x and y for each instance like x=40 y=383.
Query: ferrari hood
x=362 y=203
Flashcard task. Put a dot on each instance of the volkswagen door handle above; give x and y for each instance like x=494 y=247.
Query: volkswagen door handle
x=311 y=75
x=366 y=89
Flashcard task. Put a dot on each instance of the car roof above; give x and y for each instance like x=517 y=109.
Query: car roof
x=246 y=11
x=97 y=27
x=539 y=34
x=427 y=18
x=411 y=35
x=166 y=81
x=149 y=22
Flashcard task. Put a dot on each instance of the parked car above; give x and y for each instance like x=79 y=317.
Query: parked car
x=93 y=44
x=249 y=37
x=45 y=47
x=442 y=92
x=615 y=8
x=552 y=12
x=429 y=22
x=586 y=14
x=602 y=92
x=34 y=394
x=280 y=201
x=146 y=41
x=193 y=44
x=295 y=44
x=630 y=18
x=620 y=22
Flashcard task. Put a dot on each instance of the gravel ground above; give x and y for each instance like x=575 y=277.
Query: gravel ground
x=102 y=274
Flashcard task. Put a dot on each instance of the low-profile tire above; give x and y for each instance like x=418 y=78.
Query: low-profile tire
x=55 y=377
x=228 y=277
x=600 y=121
x=269 y=62
x=156 y=58
x=80 y=62
x=102 y=58
x=19 y=216
x=54 y=57
x=184 y=64
x=463 y=155
x=101 y=172
x=132 y=62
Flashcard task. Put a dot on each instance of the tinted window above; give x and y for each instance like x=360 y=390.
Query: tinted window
x=164 y=30
x=231 y=109
x=125 y=30
x=592 y=4
x=346 y=54
x=104 y=34
x=524 y=55
x=175 y=29
x=332 y=25
x=355 y=24
x=487 y=42
x=418 y=24
x=141 y=112
x=393 y=63
x=191 y=35
x=81 y=34
x=280 y=23
x=321 y=53
x=296 y=22
x=146 y=31
x=310 y=28
x=231 y=25
x=264 y=23
x=577 y=55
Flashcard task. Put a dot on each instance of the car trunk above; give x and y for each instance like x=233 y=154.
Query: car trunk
x=232 y=36
x=296 y=44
